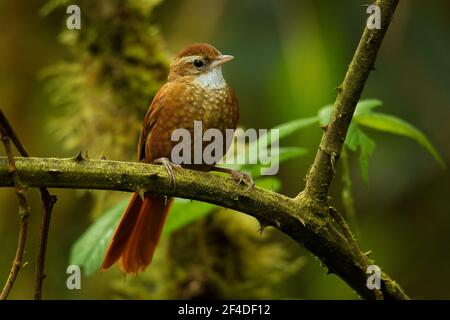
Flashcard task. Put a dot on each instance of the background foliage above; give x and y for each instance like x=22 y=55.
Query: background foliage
x=65 y=91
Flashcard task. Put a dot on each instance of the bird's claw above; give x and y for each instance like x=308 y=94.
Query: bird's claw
x=243 y=177
x=169 y=166
x=237 y=176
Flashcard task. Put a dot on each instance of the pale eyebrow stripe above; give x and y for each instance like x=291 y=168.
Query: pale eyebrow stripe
x=190 y=58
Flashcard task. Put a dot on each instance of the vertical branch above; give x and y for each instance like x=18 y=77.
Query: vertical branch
x=322 y=171
x=24 y=214
x=47 y=202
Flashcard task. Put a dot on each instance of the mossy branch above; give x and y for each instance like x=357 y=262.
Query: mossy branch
x=47 y=202
x=296 y=219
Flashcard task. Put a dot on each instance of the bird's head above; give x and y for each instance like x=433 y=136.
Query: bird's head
x=202 y=63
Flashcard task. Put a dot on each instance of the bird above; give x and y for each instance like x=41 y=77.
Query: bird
x=195 y=91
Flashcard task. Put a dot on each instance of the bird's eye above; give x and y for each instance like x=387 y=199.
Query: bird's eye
x=198 y=63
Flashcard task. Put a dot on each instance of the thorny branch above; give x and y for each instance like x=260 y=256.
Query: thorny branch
x=323 y=237
x=24 y=214
x=47 y=202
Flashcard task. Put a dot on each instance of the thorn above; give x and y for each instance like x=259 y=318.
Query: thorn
x=302 y=221
x=165 y=199
x=54 y=171
x=329 y=269
x=261 y=229
x=339 y=88
x=79 y=157
x=262 y=225
x=278 y=224
x=141 y=194
x=368 y=253
x=324 y=127
x=103 y=157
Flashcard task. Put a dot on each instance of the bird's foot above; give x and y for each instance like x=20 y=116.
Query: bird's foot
x=239 y=177
x=169 y=166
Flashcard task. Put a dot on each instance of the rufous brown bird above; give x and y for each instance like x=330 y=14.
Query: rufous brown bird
x=195 y=91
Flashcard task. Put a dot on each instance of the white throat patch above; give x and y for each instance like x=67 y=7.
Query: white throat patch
x=212 y=79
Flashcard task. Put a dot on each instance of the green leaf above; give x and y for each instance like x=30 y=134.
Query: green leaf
x=264 y=142
x=280 y=155
x=364 y=116
x=88 y=251
x=366 y=106
x=184 y=212
x=367 y=147
x=269 y=183
x=290 y=127
x=352 y=138
x=324 y=114
x=356 y=138
x=392 y=124
x=287 y=153
x=363 y=107
x=285 y=129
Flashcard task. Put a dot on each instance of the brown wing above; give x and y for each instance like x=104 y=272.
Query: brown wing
x=178 y=105
x=150 y=119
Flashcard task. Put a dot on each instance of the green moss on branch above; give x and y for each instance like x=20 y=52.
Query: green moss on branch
x=301 y=221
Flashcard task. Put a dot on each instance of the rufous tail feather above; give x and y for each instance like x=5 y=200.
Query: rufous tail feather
x=137 y=235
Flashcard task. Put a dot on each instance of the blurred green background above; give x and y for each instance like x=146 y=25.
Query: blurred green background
x=290 y=55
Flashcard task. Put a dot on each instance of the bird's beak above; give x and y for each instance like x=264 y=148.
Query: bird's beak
x=221 y=60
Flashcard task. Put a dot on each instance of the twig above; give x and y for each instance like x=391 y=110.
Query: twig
x=24 y=214
x=298 y=221
x=9 y=132
x=47 y=202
